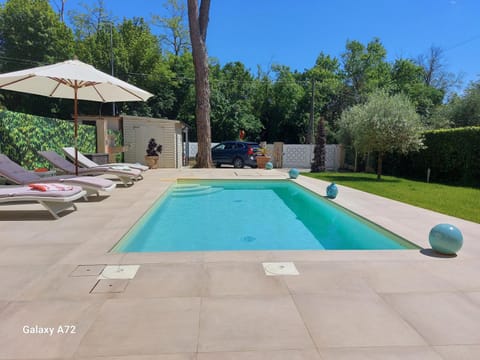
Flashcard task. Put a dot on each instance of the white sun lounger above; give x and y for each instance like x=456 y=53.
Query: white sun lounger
x=53 y=199
x=16 y=174
x=87 y=163
x=126 y=175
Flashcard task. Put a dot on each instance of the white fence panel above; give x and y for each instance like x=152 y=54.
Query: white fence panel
x=297 y=155
x=301 y=156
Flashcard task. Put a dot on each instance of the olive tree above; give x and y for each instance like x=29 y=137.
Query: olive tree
x=384 y=124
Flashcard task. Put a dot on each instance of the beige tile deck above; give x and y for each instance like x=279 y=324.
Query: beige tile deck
x=220 y=305
x=251 y=323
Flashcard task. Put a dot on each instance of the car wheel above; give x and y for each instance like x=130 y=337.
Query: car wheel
x=217 y=164
x=238 y=163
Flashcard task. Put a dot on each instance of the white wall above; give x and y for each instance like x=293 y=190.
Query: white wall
x=298 y=155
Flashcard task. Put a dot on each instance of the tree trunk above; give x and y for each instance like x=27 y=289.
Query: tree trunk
x=198 y=21
x=379 y=166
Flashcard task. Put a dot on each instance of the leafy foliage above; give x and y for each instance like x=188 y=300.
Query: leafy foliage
x=22 y=135
x=452 y=155
x=465 y=111
x=269 y=104
x=384 y=124
x=30 y=35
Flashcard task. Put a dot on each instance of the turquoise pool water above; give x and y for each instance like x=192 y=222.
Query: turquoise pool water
x=212 y=215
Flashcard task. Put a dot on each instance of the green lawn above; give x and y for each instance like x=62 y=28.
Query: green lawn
x=461 y=202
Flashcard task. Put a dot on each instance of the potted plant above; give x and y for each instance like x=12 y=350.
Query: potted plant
x=262 y=158
x=153 y=151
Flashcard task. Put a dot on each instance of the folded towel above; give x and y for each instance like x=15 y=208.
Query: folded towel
x=50 y=187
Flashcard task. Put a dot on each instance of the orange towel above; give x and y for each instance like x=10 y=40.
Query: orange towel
x=50 y=187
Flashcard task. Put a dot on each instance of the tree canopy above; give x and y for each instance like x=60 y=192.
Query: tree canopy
x=383 y=124
x=272 y=104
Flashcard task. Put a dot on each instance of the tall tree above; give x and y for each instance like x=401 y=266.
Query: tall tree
x=175 y=35
x=277 y=103
x=231 y=100
x=60 y=5
x=328 y=80
x=365 y=67
x=465 y=110
x=31 y=34
x=90 y=20
x=384 y=124
x=408 y=78
x=435 y=73
x=198 y=22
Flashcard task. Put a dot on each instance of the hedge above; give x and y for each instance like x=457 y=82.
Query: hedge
x=22 y=135
x=453 y=156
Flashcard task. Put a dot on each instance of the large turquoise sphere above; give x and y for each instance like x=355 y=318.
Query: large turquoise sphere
x=268 y=166
x=445 y=239
x=293 y=173
x=332 y=191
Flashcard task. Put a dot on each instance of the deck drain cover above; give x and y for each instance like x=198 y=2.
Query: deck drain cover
x=280 y=268
x=119 y=272
x=109 y=286
x=88 y=270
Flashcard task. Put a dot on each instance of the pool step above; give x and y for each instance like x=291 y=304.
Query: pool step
x=194 y=190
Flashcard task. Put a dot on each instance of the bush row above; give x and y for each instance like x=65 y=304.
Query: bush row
x=452 y=155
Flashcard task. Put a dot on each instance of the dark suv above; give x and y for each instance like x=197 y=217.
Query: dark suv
x=236 y=153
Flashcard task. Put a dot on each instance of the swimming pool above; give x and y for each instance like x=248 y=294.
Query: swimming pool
x=215 y=215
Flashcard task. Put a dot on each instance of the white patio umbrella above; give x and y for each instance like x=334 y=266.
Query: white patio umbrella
x=75 y=80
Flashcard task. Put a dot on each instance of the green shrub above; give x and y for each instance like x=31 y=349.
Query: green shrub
x=453 y=156
x=22 y=135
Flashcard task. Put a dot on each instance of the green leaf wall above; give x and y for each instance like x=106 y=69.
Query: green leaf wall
x=22 y=135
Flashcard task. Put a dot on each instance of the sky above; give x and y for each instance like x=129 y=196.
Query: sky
x=294 y=33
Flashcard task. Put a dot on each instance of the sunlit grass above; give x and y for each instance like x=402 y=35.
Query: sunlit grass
x=461 y=202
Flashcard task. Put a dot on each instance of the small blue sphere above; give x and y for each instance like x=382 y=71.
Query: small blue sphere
x=268 y=166
x=332 y=191
x=293 y=173
x=445 y=239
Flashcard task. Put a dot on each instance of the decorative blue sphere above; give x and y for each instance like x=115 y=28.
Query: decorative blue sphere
x=293 y=173
x=268 y=166
x=332 y=191
x=445 y=239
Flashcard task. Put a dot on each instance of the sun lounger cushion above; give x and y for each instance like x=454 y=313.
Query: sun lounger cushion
x=127 y=176
x=50 y=187
x=87 y=163
x=55 y=201
x=18 y=175
x=28 y=191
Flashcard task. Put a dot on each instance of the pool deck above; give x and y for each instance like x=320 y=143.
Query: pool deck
x=404 y=304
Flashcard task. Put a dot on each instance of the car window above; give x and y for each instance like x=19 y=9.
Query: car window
x=229 y=146
x=219 y=147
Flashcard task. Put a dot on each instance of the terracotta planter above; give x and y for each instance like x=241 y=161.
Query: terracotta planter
x=262 y=160
x=152 y=161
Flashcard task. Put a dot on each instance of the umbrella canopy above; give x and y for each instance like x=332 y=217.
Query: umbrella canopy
x=59 y=81
x=75 y=80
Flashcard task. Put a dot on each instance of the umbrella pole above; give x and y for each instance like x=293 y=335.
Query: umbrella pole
x=75 y=120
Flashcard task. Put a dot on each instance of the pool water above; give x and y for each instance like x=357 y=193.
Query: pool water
x=210 y=215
